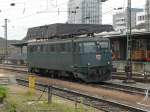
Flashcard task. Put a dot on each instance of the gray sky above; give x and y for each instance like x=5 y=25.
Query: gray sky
x=30 y=13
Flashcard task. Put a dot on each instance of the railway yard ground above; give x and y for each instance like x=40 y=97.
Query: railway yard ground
x=19 y=99
x=111 y=96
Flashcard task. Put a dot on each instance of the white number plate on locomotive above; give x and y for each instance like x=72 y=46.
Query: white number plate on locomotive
x=98 y=57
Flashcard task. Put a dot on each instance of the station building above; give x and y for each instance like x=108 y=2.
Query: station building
x=140 y=51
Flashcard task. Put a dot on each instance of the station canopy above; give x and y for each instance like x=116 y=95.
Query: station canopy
x=60 y=30
x=20 y=43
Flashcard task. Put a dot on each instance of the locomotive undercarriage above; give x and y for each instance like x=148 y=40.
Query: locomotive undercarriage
x=97 y=74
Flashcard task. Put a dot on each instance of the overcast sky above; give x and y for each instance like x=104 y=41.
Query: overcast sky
x=30 y=13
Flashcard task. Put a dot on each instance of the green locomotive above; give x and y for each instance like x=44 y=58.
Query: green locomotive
x=85 y=58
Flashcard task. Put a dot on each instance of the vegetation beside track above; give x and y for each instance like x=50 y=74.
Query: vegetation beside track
x=23 y=101
x=3 y=93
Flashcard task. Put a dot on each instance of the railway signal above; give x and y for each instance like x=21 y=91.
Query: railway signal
x=32 y=81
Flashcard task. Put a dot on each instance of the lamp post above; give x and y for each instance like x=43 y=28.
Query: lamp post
x=147 y=15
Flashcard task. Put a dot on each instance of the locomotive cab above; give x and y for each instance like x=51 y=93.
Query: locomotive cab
x=93 y=59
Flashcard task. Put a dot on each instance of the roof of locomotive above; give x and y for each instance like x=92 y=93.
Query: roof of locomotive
x=79 y=39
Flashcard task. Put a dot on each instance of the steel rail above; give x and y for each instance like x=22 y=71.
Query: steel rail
x=106 y=85
x=123 y=88
x=119 y=87
x=115 y=75
x=100 y=103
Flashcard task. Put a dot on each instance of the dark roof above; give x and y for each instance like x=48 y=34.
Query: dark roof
x=55 y=30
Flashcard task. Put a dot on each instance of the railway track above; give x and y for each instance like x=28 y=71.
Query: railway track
x=115 y=75
x=22 y=69
x=122 y=87
x=138 y=77
x=107 y=85
x=100 y=103
x=4 y=80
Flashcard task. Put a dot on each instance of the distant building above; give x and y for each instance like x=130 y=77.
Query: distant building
x=10 y=49
x=140 y=18
x=120 y=18
x=85 y=11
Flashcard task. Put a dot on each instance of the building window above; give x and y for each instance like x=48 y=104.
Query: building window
x=141 y=18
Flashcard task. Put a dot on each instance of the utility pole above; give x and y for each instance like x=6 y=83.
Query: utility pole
x=5 y=35
x=129 y=18
x=128 y=67
x=147 y=16
x=147 y=23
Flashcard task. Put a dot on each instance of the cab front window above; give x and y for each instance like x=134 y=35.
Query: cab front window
x=102 y=45
x=89 y=47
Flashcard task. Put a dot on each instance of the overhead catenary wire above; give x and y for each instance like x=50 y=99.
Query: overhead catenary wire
x=58 y=10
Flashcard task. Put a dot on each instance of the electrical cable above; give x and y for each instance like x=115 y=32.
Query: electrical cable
x=39 y=98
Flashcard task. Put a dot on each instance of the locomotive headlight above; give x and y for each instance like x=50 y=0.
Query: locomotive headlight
x=89 y=64
x=108 y=62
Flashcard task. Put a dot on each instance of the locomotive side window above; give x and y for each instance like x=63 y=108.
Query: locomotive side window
x=41 y=48
x=52 y=48
x=48 y=48
x=89 y=47
x=44 y=48
x=62 y=48
x=38 y=48
x=31 y=49
x=68 y=47
x=78 y=47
